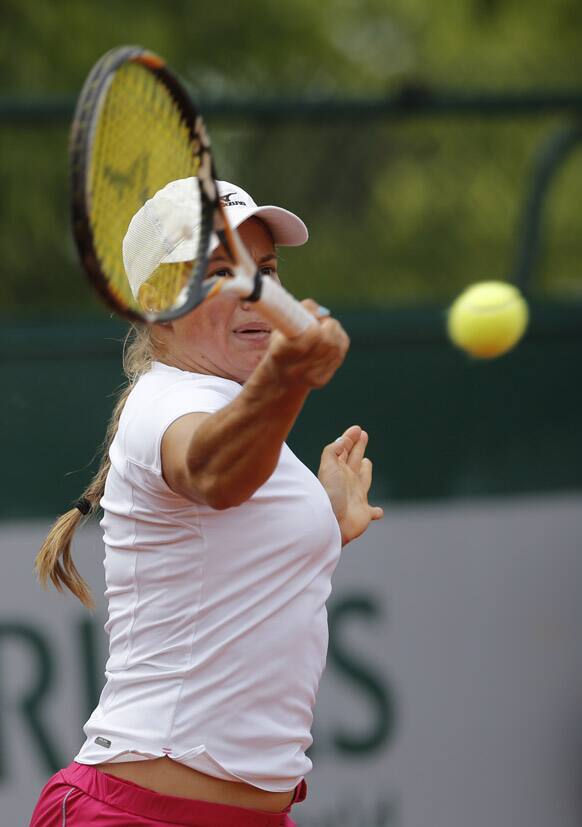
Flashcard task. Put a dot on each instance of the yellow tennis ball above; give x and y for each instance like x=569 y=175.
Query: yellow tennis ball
x=488 y=319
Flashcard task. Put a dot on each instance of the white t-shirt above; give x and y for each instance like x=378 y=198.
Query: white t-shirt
x=217 y=621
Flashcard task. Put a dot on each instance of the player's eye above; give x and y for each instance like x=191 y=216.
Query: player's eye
x=269 y=271
x=222 y=272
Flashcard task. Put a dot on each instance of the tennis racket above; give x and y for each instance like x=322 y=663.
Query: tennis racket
x=135 y=129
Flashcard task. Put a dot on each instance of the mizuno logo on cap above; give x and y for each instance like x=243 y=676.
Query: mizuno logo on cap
x=226 y=202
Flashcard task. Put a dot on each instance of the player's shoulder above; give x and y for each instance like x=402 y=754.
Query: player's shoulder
x=161 y=396
x=162 y=383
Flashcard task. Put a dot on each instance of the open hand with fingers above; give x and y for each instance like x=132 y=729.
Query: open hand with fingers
x=346 y=475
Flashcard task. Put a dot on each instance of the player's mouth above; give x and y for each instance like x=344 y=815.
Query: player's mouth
x=255 y=331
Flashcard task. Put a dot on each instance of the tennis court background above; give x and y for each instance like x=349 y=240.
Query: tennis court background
x=480 y=464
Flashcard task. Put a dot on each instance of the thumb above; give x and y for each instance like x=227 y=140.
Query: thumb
x=339 y=449
x=347 y=440
x=342 y=446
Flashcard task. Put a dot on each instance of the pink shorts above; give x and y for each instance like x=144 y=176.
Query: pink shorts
x=81 y=795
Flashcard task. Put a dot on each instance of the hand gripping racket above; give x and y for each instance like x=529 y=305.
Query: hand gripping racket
x=136 y=129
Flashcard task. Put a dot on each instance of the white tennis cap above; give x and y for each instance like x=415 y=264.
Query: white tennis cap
x=166 y=228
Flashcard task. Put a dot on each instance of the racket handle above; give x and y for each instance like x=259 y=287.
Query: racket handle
x=280 y=308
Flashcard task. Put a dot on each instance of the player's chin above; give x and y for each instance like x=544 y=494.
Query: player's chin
x=246 y=363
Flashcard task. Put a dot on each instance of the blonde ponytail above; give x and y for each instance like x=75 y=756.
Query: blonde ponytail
x=54 y=561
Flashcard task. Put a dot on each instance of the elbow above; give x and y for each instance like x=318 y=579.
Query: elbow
x=219 y=502
x=218 y=496
x=221 y=491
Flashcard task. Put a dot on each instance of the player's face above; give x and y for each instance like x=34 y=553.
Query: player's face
x=223 y=336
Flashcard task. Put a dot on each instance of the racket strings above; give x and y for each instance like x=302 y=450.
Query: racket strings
x=140 y=144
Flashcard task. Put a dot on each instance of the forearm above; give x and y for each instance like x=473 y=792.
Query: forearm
x=235 y=450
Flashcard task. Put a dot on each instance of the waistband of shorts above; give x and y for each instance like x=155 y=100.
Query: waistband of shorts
x=146 y=803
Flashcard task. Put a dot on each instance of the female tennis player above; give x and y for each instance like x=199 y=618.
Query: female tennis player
x=219 y=550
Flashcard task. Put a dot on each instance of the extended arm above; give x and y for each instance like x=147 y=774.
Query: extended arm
x=222 y=458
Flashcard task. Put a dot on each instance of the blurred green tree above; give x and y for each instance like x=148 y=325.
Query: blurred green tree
x=409 y=210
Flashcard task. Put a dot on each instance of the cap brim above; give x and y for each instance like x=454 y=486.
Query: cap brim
x=287 y=229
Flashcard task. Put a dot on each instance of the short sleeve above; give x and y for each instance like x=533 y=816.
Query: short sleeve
x=152 y=413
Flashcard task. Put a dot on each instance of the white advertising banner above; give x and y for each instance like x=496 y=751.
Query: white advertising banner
x=453 y=690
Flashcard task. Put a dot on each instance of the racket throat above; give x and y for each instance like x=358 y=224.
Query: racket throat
x=257 y=288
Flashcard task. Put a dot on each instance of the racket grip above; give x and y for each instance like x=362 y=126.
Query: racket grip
x=280 y=308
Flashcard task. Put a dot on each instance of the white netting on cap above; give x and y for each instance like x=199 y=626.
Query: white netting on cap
x=165 y=230
x=143 y=249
